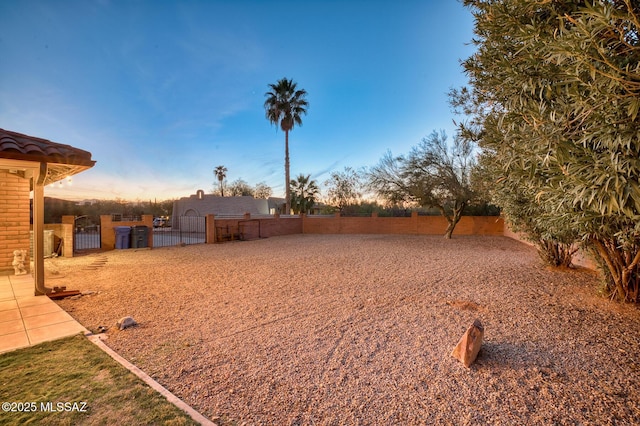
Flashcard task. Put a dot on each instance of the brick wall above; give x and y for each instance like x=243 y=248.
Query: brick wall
x=252 y=228
x=223 y=229
x=414 y=225
x=63 y=235
x=14 y=218
x=108 y=235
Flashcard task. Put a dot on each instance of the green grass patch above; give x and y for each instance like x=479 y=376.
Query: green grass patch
x=84 y=386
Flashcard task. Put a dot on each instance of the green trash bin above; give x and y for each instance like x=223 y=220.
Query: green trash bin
x=139 y=236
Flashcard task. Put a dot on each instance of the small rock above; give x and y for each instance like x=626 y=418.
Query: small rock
x=76 y=297
x=88 y=292
x=469 y=345
x=126 y=322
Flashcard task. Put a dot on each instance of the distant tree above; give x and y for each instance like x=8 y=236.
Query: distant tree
x=343 y=188
x=434 y=174
x=221 y=174
x=555 y=98
x=239 y=188
x=55 y=208
x=304 y=193
x=386 y=180
x=284 y=106
x=262 y=190
x=163 y=208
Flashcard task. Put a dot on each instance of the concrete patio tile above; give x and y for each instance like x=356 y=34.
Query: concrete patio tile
x=6 y=305
x=14 y=341
x=26 y=319
x=43 y=320
x=44 y=308
x=23 y=292
x=9 y=315
x=54 y=331
x=17 y=279
x=23 y=284
x=10 y=327
x=32 y=300
x=6 y=295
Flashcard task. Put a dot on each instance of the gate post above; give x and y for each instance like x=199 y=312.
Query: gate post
x=68 y=235
x=147 y=220
x=210 y=229
x=107 y=237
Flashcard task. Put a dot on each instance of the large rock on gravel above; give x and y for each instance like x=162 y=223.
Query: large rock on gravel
x=469 y=345
x=126 y=322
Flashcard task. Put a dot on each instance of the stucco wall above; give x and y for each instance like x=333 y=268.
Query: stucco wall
x=14 y=218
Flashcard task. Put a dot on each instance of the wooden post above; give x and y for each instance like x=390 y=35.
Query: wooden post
x=38 y=230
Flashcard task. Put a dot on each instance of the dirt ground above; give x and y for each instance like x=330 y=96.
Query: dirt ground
x=358 y=329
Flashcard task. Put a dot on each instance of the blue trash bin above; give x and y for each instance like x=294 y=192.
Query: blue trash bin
x=122 y=236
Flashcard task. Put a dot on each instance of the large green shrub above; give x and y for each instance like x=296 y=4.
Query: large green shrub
x=555 y=96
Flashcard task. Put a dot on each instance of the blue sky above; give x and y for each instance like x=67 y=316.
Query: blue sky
x=162 y=92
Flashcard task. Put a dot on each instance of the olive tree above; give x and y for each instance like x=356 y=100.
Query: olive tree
x=555 y=95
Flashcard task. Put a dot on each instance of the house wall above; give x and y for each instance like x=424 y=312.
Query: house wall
x=14 y=218
x=203 y=204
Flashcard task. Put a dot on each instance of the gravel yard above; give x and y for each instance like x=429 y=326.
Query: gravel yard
x=358 y=329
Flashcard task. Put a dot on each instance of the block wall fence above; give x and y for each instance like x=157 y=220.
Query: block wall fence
x=108 y=235
x=14 y=226
x=63 y=232
x=414 y=225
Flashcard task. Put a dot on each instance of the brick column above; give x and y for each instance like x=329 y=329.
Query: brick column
x=68 y=235
x=414 y=222
x=107 y=236
x=210 y=226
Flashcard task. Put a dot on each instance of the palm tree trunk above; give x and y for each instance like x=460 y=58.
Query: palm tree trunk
x=286 y=173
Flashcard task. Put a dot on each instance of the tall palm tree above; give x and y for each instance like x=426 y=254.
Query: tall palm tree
x=284 y=106
x=305 y=193
x=221 y=173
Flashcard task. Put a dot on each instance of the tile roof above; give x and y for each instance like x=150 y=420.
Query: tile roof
x=17 y=146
